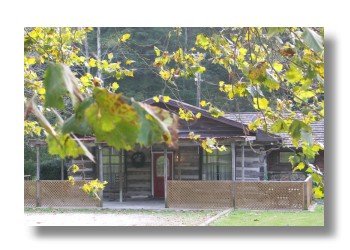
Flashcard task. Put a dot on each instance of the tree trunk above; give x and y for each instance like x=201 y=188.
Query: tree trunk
x=98 y=36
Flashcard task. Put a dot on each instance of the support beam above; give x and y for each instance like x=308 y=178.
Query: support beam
x=38 y=201
x=62 y=170
x=243 y=175
x=100 y=171
x=121 y=177
x=166 y=176
x=233 y=149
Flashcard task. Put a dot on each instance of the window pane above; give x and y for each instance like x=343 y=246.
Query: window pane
x=160 y=166
x=284 y=156
x=217 y=165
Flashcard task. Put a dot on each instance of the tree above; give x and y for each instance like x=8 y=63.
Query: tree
x=55 y=80
x=279 y=71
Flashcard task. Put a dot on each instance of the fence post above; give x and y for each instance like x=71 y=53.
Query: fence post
x=166 y=176
x=38 y=201
x=305 y=194
x=100 y=171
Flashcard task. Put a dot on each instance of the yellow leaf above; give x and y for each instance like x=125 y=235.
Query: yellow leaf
x=71 y=180
x=156 y=99
x=261 y=103
x=230 y=95
x=165 y=74
x=166 y=98
x=128 y=62
x=92 y=62
x=124 y=38
x=277 y=66
x=110 y=56
x=198 y=115
x=31 y=61
x=203 y=103
x=41 y=91
x=115 y=86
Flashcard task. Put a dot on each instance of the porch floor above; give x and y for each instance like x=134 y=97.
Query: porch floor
x=152 y=204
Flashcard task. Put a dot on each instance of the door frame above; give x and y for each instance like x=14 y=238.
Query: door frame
x=152 y=167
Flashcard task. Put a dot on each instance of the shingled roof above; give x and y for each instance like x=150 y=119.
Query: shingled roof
x=247 y=117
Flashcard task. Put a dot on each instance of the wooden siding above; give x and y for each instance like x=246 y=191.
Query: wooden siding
x=138 y=179
x=186 y=163
x=253 y=164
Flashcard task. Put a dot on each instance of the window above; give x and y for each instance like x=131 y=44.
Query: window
x=284 y=156
x=160 y=166
x=217 y=165
x=112 y=162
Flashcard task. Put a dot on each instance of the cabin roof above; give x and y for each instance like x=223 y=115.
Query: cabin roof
x=247 y=117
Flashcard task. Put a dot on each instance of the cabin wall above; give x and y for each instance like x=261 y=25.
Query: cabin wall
x=187 y=163
x=253 y=163
x=138 y=179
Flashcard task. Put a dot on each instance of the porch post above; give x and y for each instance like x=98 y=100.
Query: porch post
x=62 y=172
x=233 y=150
x=243 y=175
x=38 y=201
x=166 y=176
x=100 y=171
x=121 y=177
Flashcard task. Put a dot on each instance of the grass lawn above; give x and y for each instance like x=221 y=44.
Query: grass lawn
x=272 y=218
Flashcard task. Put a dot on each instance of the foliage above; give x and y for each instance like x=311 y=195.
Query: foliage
x=280 y=71
x=51 y=170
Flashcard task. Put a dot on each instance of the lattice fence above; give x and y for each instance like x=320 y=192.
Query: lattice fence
x=269 y=195
x=254 y=195
x=54 y=193
x=200 y=194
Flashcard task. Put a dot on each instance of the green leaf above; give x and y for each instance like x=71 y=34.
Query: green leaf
x=271 y=84
x=279 y=126
x=158 y=125
x=313 y=40
x=261 y=103
x=307 y=137
x=113 y=120
x=63 y=145
x=58 y=81
x=295 y=129
x=271 y=31
x=77 y=122
x=294 y=74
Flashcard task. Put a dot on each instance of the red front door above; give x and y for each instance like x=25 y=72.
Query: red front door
x=158 y=172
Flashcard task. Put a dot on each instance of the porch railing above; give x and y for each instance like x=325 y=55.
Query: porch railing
x=56 y=193
x=255 y=195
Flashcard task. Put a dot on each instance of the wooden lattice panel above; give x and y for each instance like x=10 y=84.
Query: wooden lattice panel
x=200 y=194
x=29 y=193
x=308 y=191
x=58 y=194
x=269 y=195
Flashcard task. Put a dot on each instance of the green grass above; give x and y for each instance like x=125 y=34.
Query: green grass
x=273 y=218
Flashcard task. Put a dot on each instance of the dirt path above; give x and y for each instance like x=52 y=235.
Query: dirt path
x=119 y=218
